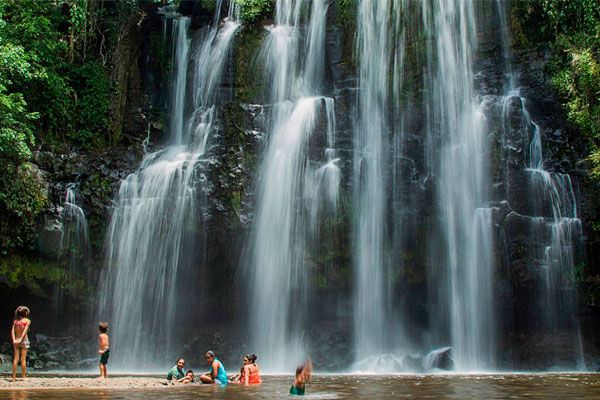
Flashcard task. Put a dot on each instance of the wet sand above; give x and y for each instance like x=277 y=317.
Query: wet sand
x=85 y=382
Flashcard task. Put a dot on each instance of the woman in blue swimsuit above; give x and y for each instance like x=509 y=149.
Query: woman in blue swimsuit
x=216 y=374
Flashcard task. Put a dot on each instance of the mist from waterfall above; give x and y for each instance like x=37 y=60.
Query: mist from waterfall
x=149 y=270
x=292 y=186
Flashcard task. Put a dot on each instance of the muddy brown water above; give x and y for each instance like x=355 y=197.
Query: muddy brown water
x=512 y=386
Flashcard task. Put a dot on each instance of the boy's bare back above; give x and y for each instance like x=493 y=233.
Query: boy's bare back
x=102 y=342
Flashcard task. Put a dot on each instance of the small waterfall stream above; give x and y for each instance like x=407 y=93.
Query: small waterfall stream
x=557 y=232
x=74 y=242
x=555 y=224
x=74 y=249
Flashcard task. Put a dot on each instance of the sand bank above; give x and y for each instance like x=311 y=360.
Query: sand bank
x=67 y=382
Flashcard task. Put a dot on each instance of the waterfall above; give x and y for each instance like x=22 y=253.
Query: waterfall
x=457 y=126
x=374 y=48
x=456 y=160
x=74 y=251
x=406 y=190
x=74 y=242
x=150 y=270
x=555 y=227
x=557 y=231
x=291 y=184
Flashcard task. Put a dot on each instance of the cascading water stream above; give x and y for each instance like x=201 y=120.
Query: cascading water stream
x=74 y=242
x=555 y=217
x=290 y=185
x=74 y=251
x=151 y=230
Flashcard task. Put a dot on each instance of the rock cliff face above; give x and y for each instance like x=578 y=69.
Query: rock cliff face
x=234 y=159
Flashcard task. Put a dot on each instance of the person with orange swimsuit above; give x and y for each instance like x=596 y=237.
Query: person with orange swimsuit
x=251 y=371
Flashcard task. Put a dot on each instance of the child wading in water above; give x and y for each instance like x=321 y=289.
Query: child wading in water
x=103 y=348
x=302 y=376
x=18 y=333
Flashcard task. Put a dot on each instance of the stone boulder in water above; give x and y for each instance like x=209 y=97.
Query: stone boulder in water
x=439 y=359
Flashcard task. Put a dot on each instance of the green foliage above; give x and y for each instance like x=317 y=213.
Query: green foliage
x=41 y=278
x=38 y=277
x=22 y=198
x=209 y=4
x=573 y=16
x=55 y=88
x=347 y=12
x=249 y=86
x=92 y=110
x=575 y=68
x=346 y=20
x=251 y=10
x=15 y=131
x=530 y=25
x=571 y=28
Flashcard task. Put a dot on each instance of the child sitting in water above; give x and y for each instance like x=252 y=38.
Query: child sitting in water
x=302 y=376
x=239 y=377
x=188 y=378
x=103 y=348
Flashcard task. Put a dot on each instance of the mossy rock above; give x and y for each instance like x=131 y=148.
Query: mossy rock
x=249 y=67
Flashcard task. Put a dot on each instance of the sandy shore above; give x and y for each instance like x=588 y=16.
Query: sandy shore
x=129 y=382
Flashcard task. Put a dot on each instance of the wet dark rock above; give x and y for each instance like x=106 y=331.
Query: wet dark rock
x=85 y=365
x=6 y=360
x=52 y=366
x=439 y=359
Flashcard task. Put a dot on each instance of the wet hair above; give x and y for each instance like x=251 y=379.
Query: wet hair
x=21 y=312
x=251 y=357
x=210 y=353
x=103 y=327
x=189 y=371
x=299 y=369
x=180 y=359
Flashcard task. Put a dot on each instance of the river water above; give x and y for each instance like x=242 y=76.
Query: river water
x=513 y=386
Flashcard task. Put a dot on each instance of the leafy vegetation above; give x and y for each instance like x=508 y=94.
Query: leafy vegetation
x=251 y=10
x=576 y=66
x=572 y=29
x=55 y=89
